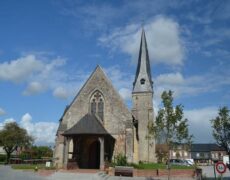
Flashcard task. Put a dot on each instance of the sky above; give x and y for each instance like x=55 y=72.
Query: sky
x=49 y=48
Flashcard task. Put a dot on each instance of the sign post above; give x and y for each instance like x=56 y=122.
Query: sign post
x=214 y=167
x=220 y=168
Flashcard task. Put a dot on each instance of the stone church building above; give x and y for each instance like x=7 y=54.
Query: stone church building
x=97 y=125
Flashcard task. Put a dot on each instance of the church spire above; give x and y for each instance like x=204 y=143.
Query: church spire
x=143 y=80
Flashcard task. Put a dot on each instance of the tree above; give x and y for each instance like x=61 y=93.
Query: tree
x=37 y=152
x=12 y=136
x=42 y=151
x=170 y=127
x=221 y=129
x=161 y=153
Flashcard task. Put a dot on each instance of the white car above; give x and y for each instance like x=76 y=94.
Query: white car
x=190 y=161
x=179 y=162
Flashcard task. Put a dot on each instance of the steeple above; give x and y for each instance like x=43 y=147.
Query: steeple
x=143 y=80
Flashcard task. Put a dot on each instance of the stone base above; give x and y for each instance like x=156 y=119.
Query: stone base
x=102 y=167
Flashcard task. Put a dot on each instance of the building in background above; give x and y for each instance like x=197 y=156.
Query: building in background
x=207 y=153
x=200 y=153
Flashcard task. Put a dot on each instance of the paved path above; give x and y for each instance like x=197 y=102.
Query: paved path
x=6 y=173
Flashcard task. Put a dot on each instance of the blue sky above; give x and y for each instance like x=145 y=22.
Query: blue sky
x=49 y=48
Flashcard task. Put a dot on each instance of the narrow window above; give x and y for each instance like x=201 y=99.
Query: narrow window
x=93 y=106
x=97 y=105
x=100 y=109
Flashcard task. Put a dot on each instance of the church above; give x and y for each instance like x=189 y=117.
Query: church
x=97 y=126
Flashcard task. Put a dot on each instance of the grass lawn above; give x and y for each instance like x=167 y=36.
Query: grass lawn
x=31 y=166
x=159 y=166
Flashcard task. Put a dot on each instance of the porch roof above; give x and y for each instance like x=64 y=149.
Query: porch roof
x=89 y=124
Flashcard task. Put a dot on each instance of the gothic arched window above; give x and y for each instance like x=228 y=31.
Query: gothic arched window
x=97 y=105
x=100 y=108
x=93 y=106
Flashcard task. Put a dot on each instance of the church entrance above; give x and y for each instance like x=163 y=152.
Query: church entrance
x=94 y=155
x=87 y=151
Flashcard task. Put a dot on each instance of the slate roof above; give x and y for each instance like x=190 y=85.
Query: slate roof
x=62 y=127
x=89 y=124
x=143 y=68
x=206 y=148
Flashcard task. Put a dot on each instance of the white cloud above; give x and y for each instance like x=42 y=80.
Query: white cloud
x=171 y=78
x=199 y=123
x=41 y=72
x=33 y=88
x=2 y=112
x=165 y=42
x=177 y=83
x=20 y=69
x=192 y=85
x=125 y=93
x=44 y=132
x=60 y=92
x=56 y=79
x=163 y=38
x=8 y=120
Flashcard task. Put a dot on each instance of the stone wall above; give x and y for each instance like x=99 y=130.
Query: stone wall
x=143 y=112
x=58 y=151
x=116 y=114
x=158 y=172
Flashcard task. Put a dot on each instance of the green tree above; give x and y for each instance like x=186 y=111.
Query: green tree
x=37 y=152
x=42 y=151
x=13 y=136
x=221 y=129
x=161 y=153
x=170 y=127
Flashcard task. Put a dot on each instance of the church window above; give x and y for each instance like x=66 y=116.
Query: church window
x=100 y=108
x=97 y=105
x=93 y=106
x=142 y=81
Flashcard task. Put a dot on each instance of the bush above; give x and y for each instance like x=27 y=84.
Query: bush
x=120 y=160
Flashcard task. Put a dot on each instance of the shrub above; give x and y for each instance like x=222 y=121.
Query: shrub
x=120 y=160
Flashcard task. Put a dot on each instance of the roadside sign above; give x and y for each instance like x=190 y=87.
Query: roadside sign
x=220 y=167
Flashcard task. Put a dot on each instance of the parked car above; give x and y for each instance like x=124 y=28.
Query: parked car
x=179 y=162
x=190 y=161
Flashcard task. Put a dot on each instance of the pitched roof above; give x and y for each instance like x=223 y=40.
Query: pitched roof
x=61 y=126
x=89 y=124
x=143 y=72
x=206 y=147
